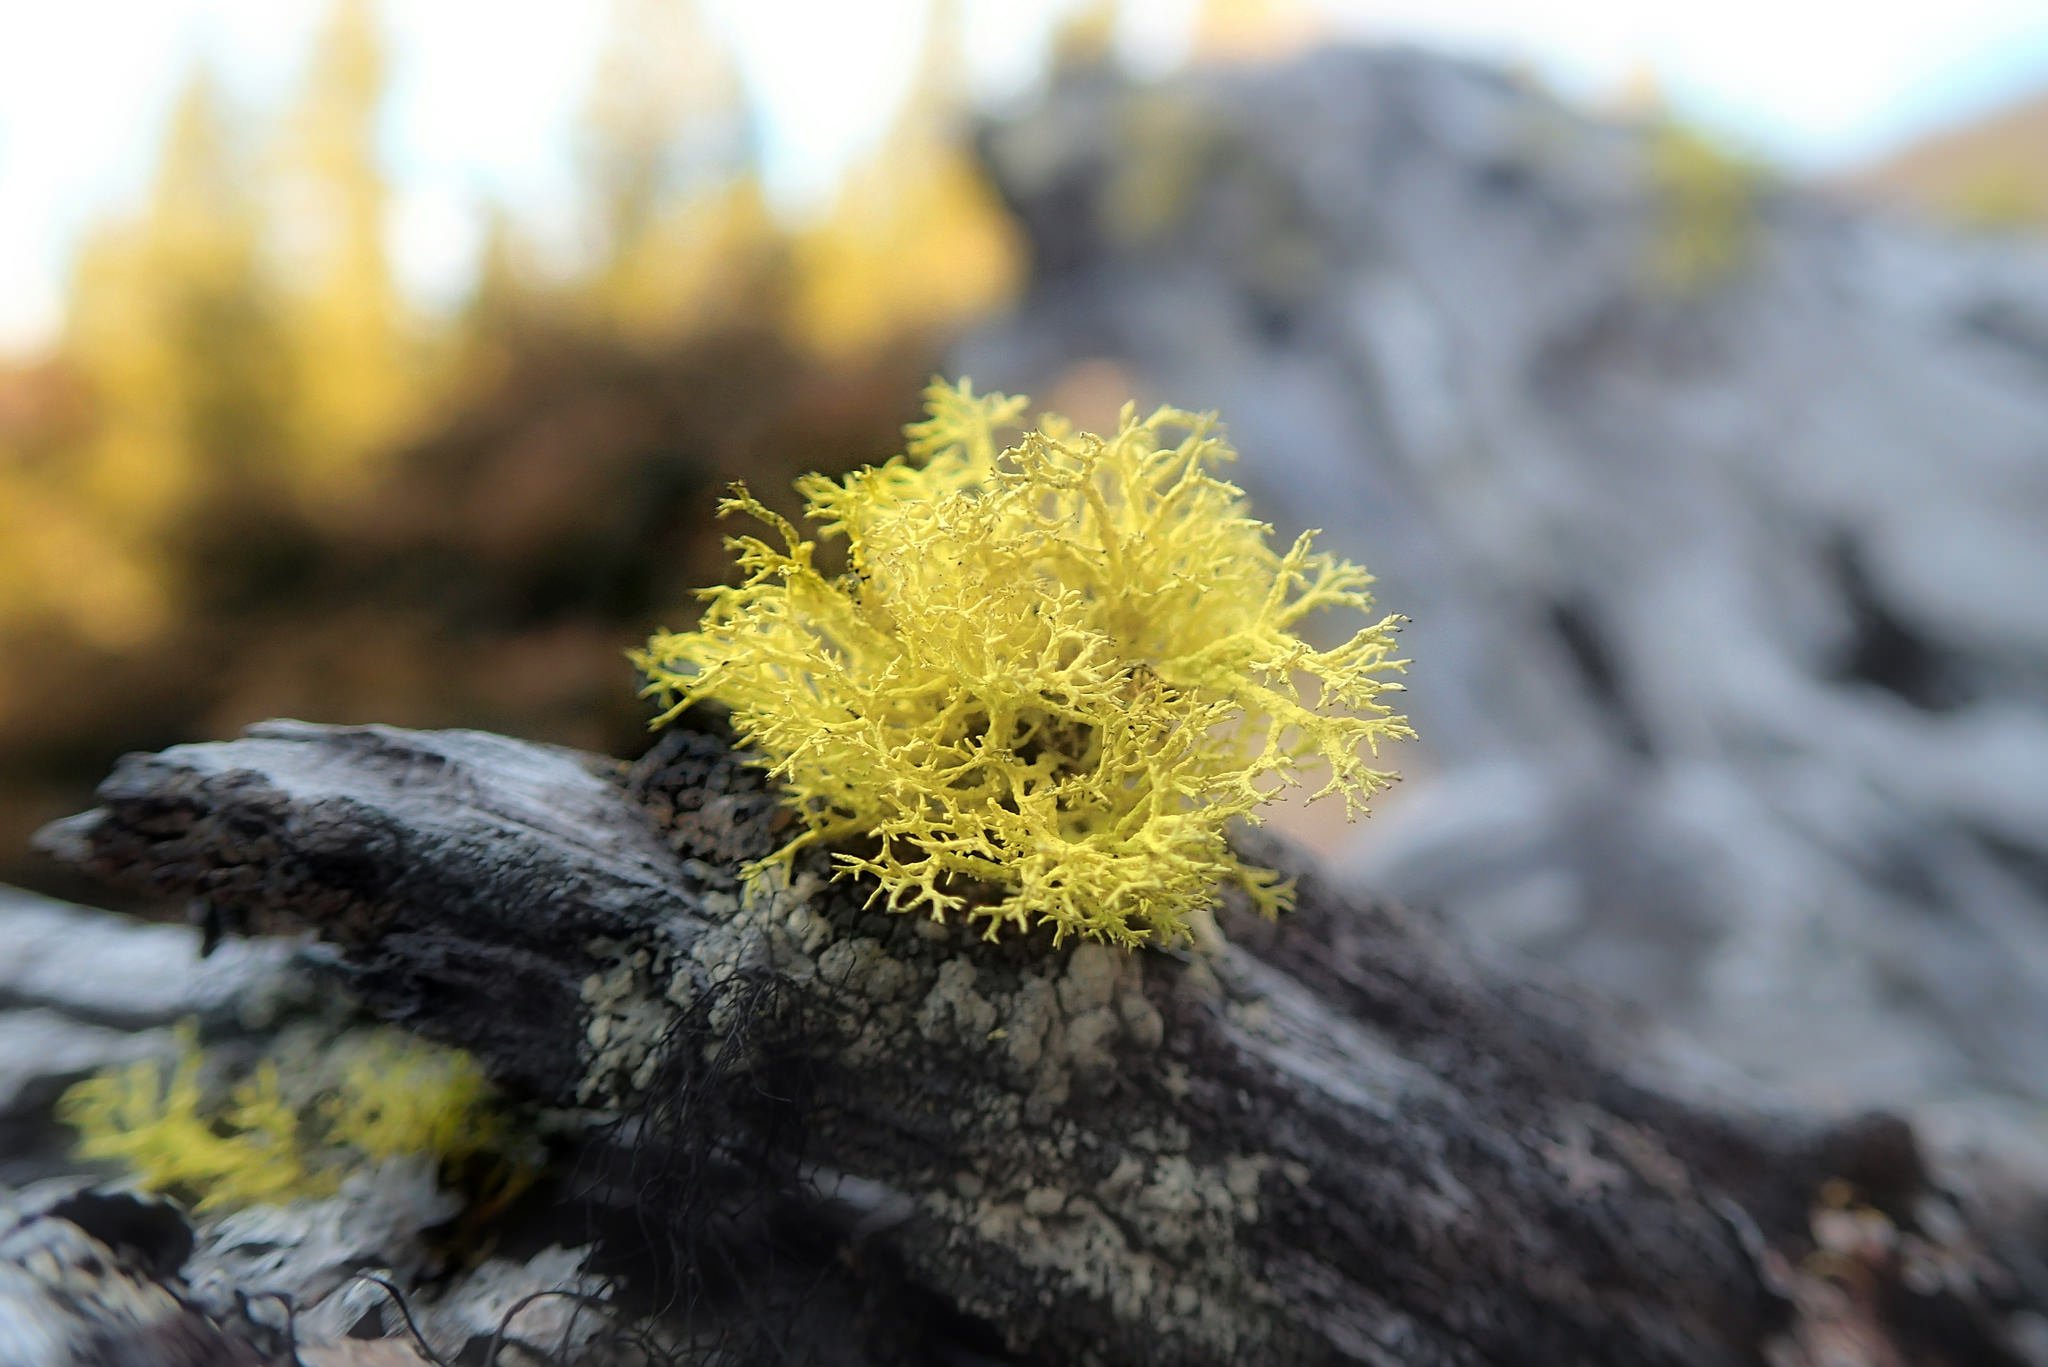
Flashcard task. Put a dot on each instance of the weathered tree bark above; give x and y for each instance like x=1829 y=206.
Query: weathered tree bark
x=1334 y=1138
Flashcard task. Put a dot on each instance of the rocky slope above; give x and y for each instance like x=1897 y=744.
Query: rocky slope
x=1729 y=584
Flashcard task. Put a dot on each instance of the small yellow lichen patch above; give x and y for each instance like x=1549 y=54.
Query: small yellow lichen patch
x=394 y=1097
x=399 y=1096
x=1056 y=668
x=160 y=1128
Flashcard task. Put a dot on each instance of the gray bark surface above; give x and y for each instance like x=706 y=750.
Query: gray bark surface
x=1334 y=1138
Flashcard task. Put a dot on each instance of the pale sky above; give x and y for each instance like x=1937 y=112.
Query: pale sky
x=484 y=92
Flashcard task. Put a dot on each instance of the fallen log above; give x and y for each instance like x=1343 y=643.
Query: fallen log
x=1332 y=1138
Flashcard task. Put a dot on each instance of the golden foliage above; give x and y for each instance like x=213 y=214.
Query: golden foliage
x=252 y=428
x=670 y=162
x=241 y=339
x=918 y=241
x=905 y=253
x=172 y=335
x=1057 y=667
x=354 y=373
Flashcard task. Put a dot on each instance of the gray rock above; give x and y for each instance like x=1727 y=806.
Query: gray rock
x=1730 y=603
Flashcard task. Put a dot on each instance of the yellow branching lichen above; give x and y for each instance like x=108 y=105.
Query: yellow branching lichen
x=394 y=1097
x=158 y=1125
x=1056 y=668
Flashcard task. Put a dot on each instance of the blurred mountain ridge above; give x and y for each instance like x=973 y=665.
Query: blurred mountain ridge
x=1989 y=172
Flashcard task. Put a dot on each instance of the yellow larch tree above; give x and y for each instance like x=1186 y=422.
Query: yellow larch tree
x=175 y=335
x=351 y=341
x=917 y=240
x=681 y=226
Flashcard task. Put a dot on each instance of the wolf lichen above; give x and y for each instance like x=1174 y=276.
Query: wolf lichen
x=158 y=1123
x=392 y=1096
x=1055 y=668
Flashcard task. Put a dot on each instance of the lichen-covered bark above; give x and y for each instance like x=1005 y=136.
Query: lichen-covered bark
x=1330 y=1139
x=465 y=878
